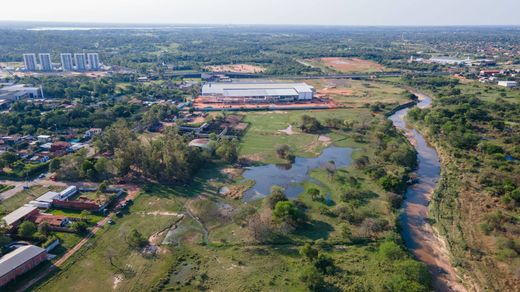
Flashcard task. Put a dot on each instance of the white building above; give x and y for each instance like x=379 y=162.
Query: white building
x=81 y=62
x=93 y=61
x=44 y=139
x=45 y=62
x=18 y=91
x=508 y=84
x=66 y=62
x=258 y=92
x=68 y=192
x=450 y=61
x=29 y=61
x=16 y=217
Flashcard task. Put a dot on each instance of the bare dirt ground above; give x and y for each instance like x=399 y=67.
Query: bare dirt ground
x=289 y=131
x=232 y=172
x=202 y=103
x=325 y=92
x=237 y=68
x=347 y=65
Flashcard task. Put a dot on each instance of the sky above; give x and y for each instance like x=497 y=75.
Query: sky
x=307 y=12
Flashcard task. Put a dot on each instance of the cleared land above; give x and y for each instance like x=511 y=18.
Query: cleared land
x=236 y=68
x=346 y=65
x=357 y=93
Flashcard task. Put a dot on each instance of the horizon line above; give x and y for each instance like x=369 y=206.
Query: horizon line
x=117 y=23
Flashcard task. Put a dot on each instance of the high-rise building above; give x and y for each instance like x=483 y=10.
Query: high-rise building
x=93 y=61
x=45 y=62
x=30 y=61
x=66 y=62
x=81 y=62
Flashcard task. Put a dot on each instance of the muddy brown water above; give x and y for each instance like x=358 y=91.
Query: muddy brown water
x=418 y=234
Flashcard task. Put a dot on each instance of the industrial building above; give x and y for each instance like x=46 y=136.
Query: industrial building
x=257 y=92
x=20 y=261
x=45 y=62
x=93 y=61
x=13 y=219
x=19 y=91
x=508 y=84
x=29 y=61
x=66 y=62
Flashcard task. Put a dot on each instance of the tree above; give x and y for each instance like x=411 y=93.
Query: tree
x=309 y=124
x=259 y=227
x=277 y=195
x=242 y=215
x=4 y=240
x=228 y=150
x=312 y=278
x=324 y=264
x=44 y=229
x=309 y=252
x=8 y=158
x=79 y=227
x=282 y=151
x=315 y=195
x=27 y=229
x=287 y=212
x=54 y=165
x=136 y=240
x=103 y=187
x=345 y=232
x=391 y=251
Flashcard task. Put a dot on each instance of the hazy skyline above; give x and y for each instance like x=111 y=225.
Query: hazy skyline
x=310 y=12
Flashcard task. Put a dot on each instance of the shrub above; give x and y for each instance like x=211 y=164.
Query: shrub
x=312 y=278
x=277 y=195
x=391 y=251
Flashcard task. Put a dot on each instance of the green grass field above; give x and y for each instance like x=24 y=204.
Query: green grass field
x=263 y=136
x=90 y=270
x=4 y=188
x=24 y=197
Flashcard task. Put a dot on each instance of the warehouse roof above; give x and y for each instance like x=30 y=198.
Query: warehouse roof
x=220 y=88
x=18 y=214
x=18 y=257
x=260 y=92
x=48 y=197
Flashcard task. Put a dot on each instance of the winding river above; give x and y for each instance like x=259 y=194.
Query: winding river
x=418 y=234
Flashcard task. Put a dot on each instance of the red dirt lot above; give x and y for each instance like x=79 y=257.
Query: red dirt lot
x=201 y=104
x=237 y=68
x=346 y=65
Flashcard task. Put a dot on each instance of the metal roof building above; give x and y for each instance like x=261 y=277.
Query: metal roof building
x=19 y=214
x=259 y=91
x=20 y=261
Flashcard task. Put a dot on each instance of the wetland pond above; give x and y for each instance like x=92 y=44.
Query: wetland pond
x=292 y=176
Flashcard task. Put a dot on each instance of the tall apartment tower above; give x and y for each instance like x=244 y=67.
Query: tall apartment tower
x=93 y=61
x=66 y=62
x=45 y=62
x=29 y=61
x=81 y=62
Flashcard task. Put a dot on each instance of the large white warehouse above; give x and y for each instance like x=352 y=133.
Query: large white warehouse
x=258 y=92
